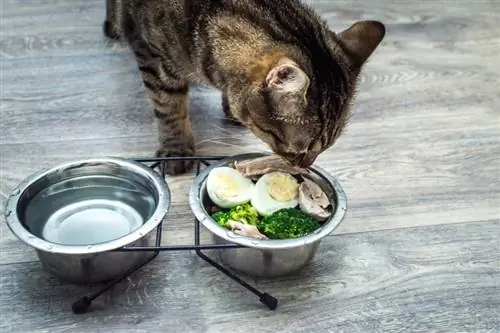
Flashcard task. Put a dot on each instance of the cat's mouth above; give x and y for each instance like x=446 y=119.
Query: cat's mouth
x=302 y=160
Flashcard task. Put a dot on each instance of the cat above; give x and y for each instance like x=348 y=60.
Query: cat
x=282 y=72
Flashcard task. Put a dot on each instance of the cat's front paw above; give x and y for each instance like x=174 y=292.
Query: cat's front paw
x=176 y=167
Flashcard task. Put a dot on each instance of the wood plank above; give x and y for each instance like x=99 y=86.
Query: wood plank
x=427 y=279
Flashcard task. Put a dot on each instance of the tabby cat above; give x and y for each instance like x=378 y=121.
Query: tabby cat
x=282 y=72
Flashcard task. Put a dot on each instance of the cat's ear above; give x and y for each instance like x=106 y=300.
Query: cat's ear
x=287 y=77
x=361 y=39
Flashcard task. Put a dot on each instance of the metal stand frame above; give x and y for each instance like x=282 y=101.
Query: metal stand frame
x=83 y=304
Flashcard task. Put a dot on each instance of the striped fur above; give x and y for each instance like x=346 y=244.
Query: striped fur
x=282 y=72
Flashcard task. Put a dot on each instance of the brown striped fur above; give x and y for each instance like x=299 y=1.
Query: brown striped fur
x=282 y=72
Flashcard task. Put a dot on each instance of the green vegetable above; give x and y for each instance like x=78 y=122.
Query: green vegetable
x=222 y=218
x=287 y=223
x=244 y=213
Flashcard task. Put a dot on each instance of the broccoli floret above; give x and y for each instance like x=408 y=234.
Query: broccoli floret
x=287 y=223
x=222 y=218
x=244 y=213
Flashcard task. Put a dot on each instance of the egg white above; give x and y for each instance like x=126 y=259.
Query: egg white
x=224 y=194
x=262 y=200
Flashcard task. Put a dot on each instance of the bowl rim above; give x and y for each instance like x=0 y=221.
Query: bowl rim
x=328 y=226
x=161 y=209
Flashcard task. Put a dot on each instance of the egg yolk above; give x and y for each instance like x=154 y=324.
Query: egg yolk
x=226 y=186
x=283 y=187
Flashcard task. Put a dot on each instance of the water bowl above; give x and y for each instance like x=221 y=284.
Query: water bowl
x=75 y=214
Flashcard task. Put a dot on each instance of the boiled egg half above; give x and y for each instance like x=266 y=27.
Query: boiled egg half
x=227 y=187
x=274 y=191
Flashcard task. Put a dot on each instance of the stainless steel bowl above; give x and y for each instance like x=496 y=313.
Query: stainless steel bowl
x=76 y=213
x=267 y=258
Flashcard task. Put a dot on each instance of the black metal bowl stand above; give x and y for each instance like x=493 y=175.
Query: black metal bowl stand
x=82 y=305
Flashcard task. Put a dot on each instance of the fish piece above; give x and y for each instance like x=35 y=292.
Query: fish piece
x=246 y=230
x=262 y=165
x=313 y=200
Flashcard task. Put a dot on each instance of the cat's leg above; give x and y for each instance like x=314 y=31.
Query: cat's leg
x=227 y=111
x=169 y=94
x=111 y=23
x=174 y=126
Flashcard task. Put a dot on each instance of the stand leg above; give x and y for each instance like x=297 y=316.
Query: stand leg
x=268 y=300
x=81 y=305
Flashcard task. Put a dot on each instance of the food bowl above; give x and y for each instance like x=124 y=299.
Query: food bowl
x=75 y=214
x=267 y=257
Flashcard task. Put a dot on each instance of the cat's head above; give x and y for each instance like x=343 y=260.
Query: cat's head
x=300 y=103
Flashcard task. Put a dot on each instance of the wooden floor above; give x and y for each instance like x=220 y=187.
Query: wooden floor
x=419 y=250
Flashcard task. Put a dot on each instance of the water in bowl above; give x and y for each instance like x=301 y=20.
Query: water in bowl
x=88 y=210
